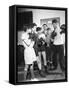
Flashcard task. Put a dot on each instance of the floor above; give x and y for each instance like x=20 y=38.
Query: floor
x=53 y=75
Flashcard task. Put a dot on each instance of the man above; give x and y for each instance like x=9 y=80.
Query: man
x=58 y=49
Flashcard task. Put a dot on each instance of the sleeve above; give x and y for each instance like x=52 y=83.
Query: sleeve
x=63 y=36
x=64 y=43
x=44 y=37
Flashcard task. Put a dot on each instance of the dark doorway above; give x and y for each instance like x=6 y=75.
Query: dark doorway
x=24 y=18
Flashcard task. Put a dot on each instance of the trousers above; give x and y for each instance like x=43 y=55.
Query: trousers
x=58 y=56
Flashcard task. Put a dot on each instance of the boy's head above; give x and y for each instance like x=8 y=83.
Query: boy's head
x=30 y=27
x=34 y=26
x=27 y=28
x=39 y=30
x=45 y=26
x=63 y=28
x=55 y=23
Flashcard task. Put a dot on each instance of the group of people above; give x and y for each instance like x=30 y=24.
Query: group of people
x=43 y=42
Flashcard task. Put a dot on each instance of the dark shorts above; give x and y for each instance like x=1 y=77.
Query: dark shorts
x=42 y=48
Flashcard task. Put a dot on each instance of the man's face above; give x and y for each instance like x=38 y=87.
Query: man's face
x=54 y=25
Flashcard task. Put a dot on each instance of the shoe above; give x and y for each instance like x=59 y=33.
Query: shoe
x=42 y=74
x=25 y=75
x=35 y=79
x=52 y=67
x=32 y=73
x=46 y=70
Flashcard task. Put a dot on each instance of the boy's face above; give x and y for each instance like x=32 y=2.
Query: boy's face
x=40 y=32
x=29 y=30
x=34 y=28
x=54 y=25
x=44 y=27
x=49 y=31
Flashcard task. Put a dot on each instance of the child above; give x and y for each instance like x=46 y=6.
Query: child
x=48 y=41
x=41 y=46
x=29 y=53
x=34 y=36
x=48 y=48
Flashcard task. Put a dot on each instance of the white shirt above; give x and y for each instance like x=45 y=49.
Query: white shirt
x=59 y=39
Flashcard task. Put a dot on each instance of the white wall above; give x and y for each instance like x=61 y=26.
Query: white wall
x=44 y=14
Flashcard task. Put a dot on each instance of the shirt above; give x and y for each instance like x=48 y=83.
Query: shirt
x=59 y=39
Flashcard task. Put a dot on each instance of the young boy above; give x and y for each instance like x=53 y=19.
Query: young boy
x=41 y=46
x=35 y=38
x=48 y=48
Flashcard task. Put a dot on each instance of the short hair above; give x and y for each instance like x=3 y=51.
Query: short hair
x=29 y=26
x=54 y=21
x=44 y=24
x=48 y=28
x=63 y=27
x=38 y=29
x=26 y=26
x=32 y=25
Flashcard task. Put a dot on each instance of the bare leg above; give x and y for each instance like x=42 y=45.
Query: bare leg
x=44 y=58
x=25 y=71
x=39 y=60
x=32 y=72
x=45 y=62
x=40 y=66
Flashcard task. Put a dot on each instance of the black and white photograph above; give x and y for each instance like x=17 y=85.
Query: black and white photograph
x=41 y=44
